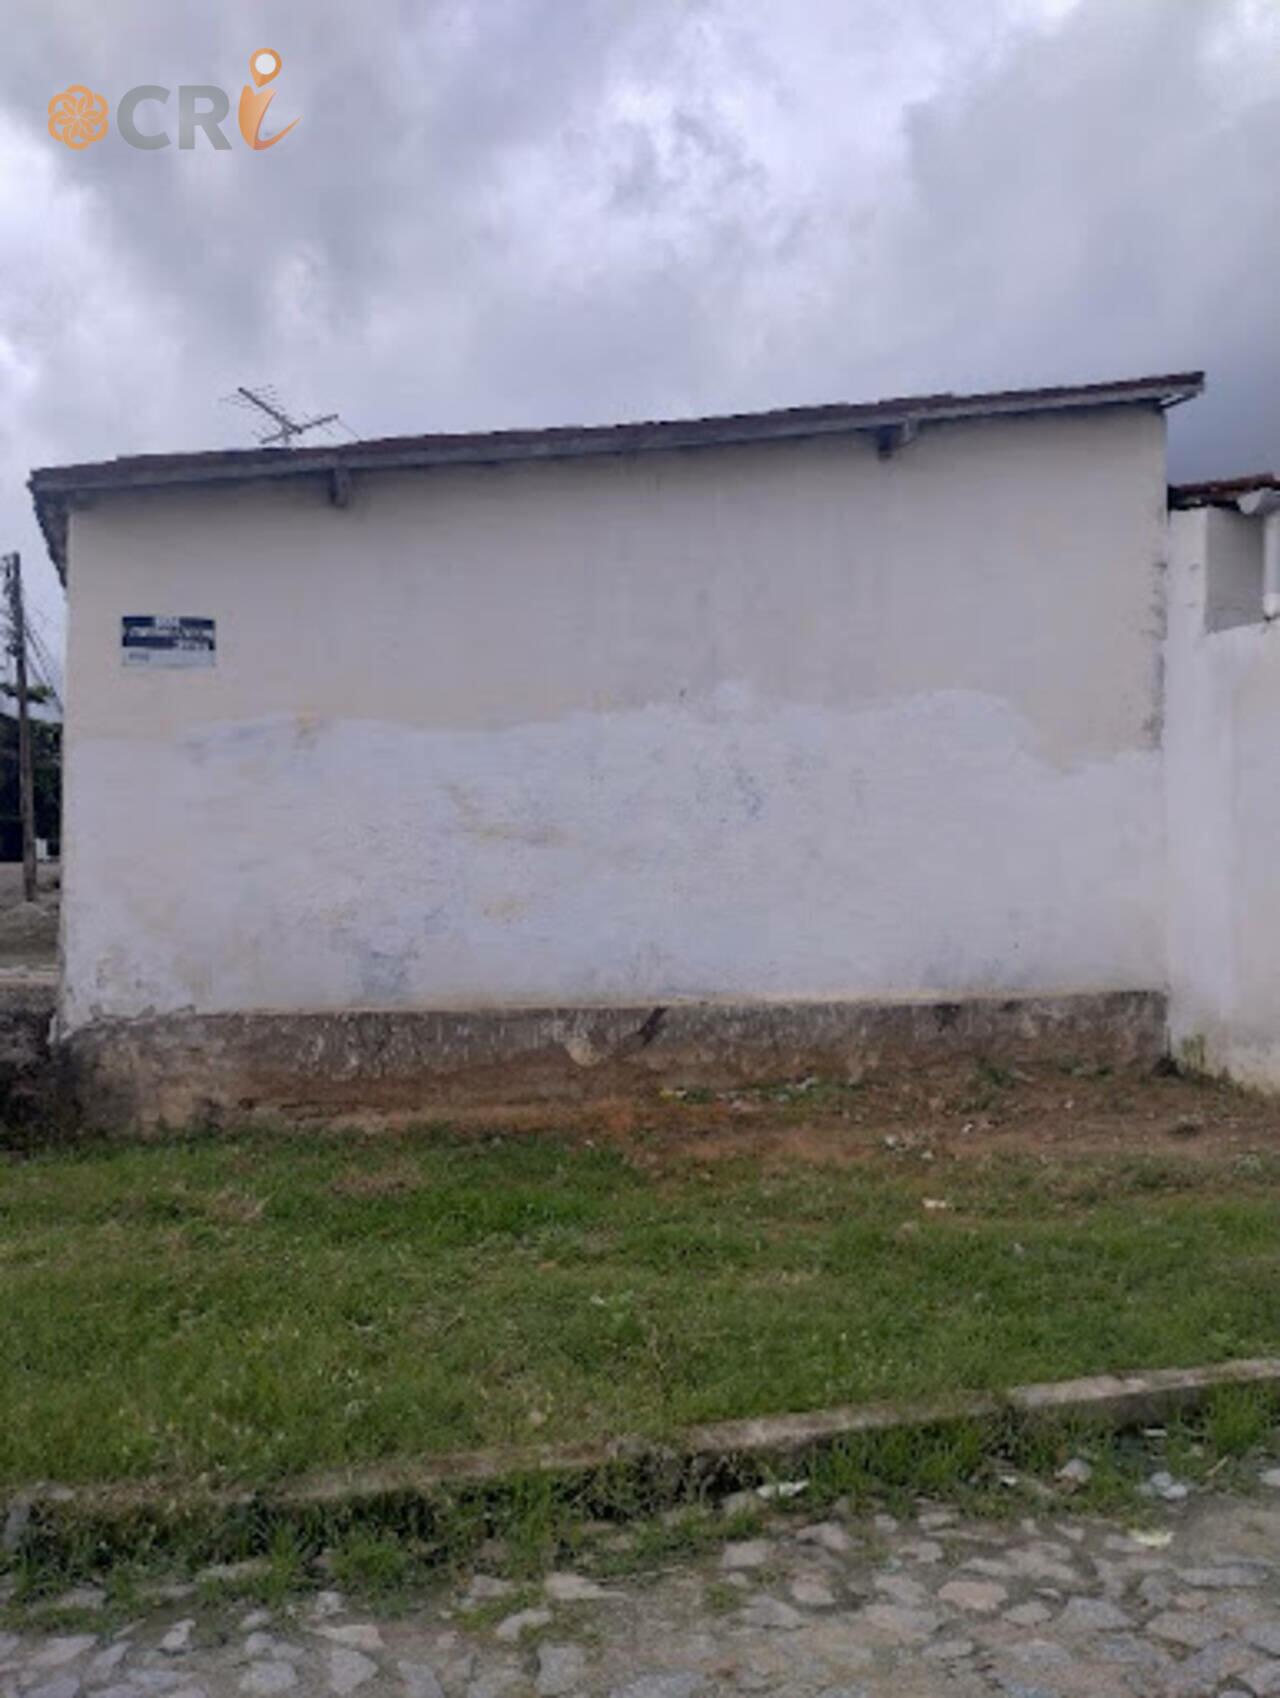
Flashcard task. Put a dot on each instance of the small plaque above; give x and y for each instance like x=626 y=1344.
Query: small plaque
x=167 y=639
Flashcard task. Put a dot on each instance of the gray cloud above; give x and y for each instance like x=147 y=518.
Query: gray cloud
x=520 y=211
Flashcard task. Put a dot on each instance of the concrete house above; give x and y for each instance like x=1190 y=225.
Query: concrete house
x=698 y=749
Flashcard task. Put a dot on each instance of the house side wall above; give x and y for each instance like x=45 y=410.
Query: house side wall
x=780 y=722
x=1223 y=757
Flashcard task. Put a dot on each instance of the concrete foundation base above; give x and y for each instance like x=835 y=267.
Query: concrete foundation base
x=389 y=1068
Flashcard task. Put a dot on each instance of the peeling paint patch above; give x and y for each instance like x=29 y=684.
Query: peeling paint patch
x=728 y=847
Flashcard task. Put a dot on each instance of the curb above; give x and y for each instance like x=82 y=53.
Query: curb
x=720 y=1451
x=1132 y=1399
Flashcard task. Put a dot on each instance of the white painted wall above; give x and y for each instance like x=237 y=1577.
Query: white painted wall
x=1223 y=759
x=783 y=721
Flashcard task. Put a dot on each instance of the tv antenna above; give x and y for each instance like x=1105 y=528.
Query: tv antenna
x=286 y=428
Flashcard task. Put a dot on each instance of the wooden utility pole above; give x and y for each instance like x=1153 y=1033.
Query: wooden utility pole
x=26 y=771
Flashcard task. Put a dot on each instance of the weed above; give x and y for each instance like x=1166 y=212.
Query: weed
x=992 y=1073
x=372 y=1565
x=1193 y=1055
x=1240 y=1419
x=653 y=1543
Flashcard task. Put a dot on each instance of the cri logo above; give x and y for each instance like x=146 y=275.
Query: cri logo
x=78 y=116
x=264 y=67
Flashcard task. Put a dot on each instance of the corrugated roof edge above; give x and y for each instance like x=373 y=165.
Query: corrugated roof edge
x=54 y=488
x=1220 y=492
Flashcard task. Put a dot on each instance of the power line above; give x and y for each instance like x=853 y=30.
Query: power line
x=41 y=659
x=26 y=772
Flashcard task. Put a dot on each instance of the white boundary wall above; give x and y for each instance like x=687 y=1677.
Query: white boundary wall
x=1223 y=788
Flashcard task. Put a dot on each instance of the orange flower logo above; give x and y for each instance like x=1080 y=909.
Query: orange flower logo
x=77 y=116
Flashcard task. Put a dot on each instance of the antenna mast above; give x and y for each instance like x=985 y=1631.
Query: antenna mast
x=287 y=429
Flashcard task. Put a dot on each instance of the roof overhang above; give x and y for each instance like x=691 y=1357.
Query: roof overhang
x=58 y=489
x=1221 y=492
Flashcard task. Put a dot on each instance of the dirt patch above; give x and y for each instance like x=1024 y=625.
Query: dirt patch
x=236 y=1207
x=386 y=1180
x=940 y=1114
x=368 y=1067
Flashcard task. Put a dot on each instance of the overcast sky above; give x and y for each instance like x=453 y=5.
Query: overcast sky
x=501 y=212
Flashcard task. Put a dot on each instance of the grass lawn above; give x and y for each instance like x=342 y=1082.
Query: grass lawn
x=256 y=1306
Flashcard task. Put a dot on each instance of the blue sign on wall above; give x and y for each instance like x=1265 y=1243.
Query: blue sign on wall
x=167 y=639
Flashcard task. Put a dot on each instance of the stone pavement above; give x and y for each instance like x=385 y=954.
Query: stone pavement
x=842 y=1608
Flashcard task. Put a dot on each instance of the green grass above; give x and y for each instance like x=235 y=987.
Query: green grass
x=253 y=1307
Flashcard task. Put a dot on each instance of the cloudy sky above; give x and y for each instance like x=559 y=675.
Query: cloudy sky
x=500 y=212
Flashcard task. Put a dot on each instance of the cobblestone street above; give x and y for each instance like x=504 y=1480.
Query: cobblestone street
x=841 y=1608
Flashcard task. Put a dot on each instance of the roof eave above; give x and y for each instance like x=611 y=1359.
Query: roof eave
x=1219 y=492
x=54 y=489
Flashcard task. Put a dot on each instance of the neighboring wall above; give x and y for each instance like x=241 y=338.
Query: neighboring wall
x=777 y=722
x=1223 y=757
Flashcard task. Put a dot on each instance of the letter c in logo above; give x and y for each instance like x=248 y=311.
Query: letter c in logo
x=126 y=122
